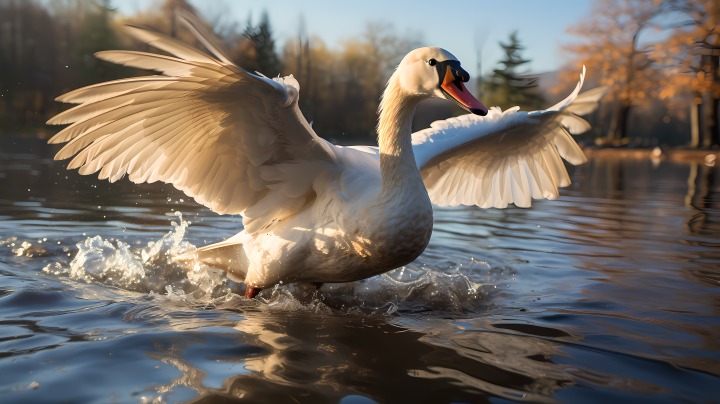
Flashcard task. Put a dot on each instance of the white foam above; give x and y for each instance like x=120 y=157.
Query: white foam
x=150 y=270
x=146 y=270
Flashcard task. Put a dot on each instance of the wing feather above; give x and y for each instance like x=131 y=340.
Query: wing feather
x=206 y=126
x=108 y=89
x=166 y=65
x=504 y=157
x=168 y=44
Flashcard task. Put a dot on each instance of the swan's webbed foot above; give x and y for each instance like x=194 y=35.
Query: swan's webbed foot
x=251 y=292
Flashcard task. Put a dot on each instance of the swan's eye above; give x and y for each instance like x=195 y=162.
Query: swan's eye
x=432 y=62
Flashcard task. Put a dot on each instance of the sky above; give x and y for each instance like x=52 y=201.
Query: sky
x=461 y=27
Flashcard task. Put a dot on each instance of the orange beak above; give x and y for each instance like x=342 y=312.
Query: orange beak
x=455 y=89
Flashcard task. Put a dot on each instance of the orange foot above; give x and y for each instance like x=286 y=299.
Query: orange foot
x=251 y=292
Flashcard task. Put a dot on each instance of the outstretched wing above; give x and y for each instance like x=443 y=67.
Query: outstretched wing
x=504 y=157
x=234 y=141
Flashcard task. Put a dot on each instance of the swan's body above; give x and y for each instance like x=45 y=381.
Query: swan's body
x=312 y=211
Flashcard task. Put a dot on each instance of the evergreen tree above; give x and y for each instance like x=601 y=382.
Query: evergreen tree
x=95 y=33
x=267 y=61
x=507 y=88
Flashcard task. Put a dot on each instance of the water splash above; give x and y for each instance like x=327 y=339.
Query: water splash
x=406 y=290
x=150 y=270
x=147 y=270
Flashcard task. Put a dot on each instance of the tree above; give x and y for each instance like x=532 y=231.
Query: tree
x=96 y=32
x=612 y=52
x=267 y=61
x=691 y=60
x=27 y=62
x=340 y=88
x=507 y=88
x=297 y=60
x=48 y=45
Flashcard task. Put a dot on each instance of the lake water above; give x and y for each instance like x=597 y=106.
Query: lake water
x=608 y=294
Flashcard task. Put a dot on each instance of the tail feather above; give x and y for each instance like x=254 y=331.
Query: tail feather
x=227 y=255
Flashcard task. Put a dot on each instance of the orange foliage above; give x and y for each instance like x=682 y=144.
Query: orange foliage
x=688 y=53
x=610 y=50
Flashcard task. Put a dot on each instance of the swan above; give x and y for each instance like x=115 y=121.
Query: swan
x=312 y=212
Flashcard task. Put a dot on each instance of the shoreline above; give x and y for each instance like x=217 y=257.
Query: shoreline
x=677 y=155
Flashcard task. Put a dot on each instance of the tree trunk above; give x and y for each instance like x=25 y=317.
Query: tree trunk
x=709 y=121
x=715 y=103
x=299 y=62
x=696 y=134
x=714 y=126
x=709 y=118
x=618 y=129
x=308 y=82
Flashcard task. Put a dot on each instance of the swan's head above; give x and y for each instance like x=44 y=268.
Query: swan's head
x=435 y=72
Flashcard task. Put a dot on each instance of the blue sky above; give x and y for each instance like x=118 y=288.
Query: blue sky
x=458 y=26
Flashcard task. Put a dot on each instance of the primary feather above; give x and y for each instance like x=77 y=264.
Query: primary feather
x=206 y=126
x=505 y=157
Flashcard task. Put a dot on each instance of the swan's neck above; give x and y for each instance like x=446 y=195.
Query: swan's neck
x=397 y=160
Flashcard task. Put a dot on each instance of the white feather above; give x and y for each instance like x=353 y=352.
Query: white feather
x=203 y=124
x=504 y=157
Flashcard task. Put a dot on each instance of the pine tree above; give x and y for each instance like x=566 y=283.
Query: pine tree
x=507 y=88
x=96 y=33
x=267 y=61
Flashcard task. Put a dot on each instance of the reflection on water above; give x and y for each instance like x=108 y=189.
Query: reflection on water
x=609 y=293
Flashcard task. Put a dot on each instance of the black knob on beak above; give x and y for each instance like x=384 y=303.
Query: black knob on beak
x=460 y=74
x=452 y=77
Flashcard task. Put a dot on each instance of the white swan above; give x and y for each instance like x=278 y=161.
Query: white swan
x=312 y=212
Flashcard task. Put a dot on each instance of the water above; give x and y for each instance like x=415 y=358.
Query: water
x=609 y=293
